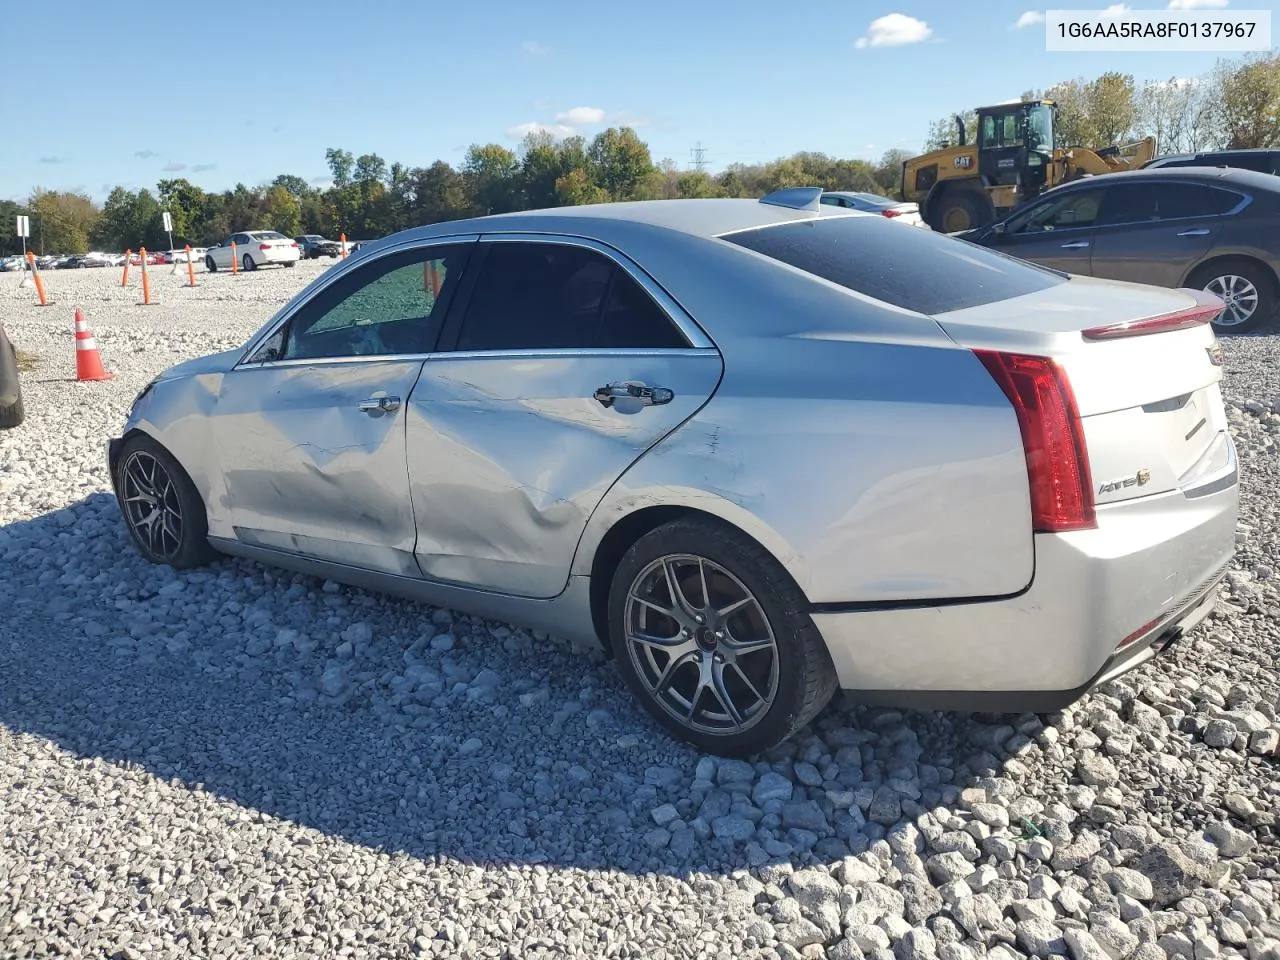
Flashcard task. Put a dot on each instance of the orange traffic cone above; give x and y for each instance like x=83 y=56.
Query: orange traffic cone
x=88 y=360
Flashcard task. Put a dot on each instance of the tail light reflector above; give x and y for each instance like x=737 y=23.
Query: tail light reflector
x=264 y=246
x=1052 y=439
x=891 y=212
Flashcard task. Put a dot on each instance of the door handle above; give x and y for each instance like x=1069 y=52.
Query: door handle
x=1076 y=245
x=376 y=405
x=1198 y=232
x=648 y=396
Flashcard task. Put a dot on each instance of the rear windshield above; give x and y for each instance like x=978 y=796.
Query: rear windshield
x=906 y=266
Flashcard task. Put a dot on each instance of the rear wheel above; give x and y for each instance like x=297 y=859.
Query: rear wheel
x=210 y=265
x=162 y=509
x=710 y=634
x=1244 y=287
x=248 y=263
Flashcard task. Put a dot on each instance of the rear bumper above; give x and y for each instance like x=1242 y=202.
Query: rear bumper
x=1101 y=602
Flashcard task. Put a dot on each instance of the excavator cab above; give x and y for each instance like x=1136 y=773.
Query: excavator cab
x=1015 y=146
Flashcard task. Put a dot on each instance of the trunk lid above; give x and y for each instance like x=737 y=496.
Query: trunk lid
x=1150 y=404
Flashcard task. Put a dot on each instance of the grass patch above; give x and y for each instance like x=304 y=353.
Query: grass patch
x=26 y=361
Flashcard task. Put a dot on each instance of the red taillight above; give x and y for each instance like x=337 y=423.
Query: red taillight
x=1052 y=438
x=294 y=245
x=264 y=246
x=891 y=213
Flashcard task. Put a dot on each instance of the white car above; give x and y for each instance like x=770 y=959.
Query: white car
x=253 y=249
x=899 y=212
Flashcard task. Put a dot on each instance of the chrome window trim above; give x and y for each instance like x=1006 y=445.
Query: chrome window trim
x=549 y=354
x=676 y=314
x=337 y=273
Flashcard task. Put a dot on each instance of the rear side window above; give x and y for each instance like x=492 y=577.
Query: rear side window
x=548 y=296
x=1220 y=201
x=904 y=266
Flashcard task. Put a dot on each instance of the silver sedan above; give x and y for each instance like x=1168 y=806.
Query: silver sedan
x=759 y=450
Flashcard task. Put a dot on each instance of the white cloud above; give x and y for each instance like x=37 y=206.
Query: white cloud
x=522 y=130
x=581 y=116
x=1028 y=19
x=534 y=49
x=1116 y=9
x=895 y=30
x=1197 y=4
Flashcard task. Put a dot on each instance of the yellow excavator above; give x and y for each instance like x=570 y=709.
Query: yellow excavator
x=1016 y=158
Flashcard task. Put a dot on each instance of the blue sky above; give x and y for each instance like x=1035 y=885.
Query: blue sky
x=222 y=92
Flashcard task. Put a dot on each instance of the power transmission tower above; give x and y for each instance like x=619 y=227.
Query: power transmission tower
x=699 y=157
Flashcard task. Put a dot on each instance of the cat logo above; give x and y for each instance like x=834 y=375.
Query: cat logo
x=964 y=162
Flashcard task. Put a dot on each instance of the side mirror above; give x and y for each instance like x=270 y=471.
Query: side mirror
x=998 y=228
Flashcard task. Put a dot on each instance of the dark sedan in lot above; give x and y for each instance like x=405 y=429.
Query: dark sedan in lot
x=314 y=246
x=1215 y=229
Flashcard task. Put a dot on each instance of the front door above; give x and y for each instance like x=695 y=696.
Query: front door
x=311 y=432
x=1056 y=232
x=565 y=366
x=1155 y=232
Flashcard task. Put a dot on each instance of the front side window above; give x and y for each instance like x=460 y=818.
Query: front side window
x=547 y=296
x=1067 y=211
x=394 y=305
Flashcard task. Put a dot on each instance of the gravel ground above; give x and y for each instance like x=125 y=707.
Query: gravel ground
x=242 y=762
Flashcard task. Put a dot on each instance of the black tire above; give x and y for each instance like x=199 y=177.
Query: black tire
x=247 y=262
x=14 y=413
x=964 y=203
x=188 y=545
x=210 y=265
x=290 y=264
x=1222 y=276
x=802 y=675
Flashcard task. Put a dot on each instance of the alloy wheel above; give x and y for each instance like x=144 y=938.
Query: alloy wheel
x=152 y=508
x=701 y=644
x=1238 y=294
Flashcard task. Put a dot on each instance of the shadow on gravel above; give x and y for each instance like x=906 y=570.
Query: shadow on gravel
x=430 y=734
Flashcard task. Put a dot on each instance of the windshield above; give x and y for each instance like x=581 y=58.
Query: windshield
x=1038 y=130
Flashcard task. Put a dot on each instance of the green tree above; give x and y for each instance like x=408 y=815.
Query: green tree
x=619 y=162
x=10 y=242
x=63 y=221
x=294 y=184
x=1109 y=102
x=492 y=174
x=575 y=188
x=437 y=193
x=282 y=211
x=185 y=202
x=341 y=164
x=1248 y=98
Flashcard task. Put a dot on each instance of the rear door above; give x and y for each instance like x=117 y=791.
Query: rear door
x=1154 y=232
x=565 y=363
x=1056 y=231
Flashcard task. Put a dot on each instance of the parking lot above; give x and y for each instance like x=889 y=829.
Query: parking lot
x=240 y=761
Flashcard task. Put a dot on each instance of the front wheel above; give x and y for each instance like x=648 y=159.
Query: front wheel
x=711 y=636
x=162 y=508
x=1245 y=290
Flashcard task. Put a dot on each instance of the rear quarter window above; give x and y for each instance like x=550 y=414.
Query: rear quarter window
x=901 y=265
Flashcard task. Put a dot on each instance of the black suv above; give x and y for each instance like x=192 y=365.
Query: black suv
x=314 y=246
x=1261 y=160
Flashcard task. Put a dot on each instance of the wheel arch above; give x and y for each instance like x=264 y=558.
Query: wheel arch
x=1252 y=259
x=625 y=529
